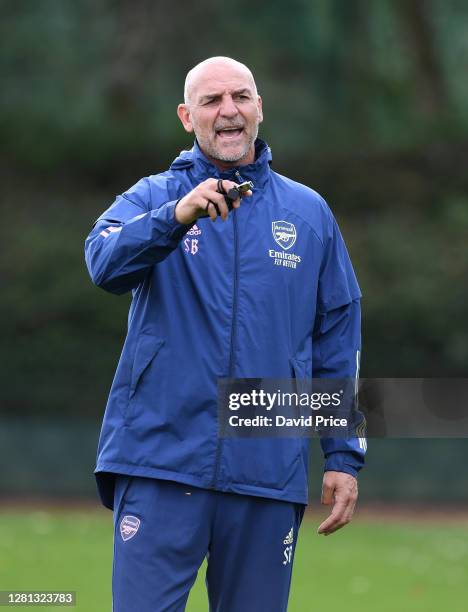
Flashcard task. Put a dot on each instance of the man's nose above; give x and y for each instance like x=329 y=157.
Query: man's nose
x=228 y=108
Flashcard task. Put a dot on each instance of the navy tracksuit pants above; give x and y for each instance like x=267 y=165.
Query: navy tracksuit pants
x=164 y=530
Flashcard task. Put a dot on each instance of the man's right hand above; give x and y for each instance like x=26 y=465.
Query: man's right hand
x=198 y=202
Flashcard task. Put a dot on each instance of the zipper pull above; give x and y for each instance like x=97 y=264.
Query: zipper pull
x=239 y=179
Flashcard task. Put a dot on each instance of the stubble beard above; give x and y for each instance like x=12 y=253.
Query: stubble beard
x=210 y=149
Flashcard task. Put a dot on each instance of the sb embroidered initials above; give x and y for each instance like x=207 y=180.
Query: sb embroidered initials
x=191 y=244
x=287 y=555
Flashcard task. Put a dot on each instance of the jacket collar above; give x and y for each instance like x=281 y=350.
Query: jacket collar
x=257 y=172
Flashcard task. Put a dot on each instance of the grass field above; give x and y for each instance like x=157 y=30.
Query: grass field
x=399 y=563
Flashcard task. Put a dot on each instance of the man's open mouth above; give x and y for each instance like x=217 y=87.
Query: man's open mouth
x=229 y=133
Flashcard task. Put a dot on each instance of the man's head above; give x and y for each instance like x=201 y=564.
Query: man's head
x=224 y=110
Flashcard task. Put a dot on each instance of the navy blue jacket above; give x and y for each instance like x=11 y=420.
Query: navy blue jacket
x=269 y=293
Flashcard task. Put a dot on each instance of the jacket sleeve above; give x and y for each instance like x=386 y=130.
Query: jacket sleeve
x=337 y=341
x=129 y=238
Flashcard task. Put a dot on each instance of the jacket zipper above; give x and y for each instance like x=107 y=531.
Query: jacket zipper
x=235 y=284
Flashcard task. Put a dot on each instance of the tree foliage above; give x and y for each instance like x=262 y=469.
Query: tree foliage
x=364 y=101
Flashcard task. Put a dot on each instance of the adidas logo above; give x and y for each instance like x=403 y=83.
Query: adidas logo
x=194 y=231
x=290 y=537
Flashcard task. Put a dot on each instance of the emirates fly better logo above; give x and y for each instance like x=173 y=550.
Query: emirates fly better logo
x=284 y=234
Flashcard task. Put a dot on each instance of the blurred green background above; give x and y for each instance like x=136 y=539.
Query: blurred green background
x=385 y=563
x=366 y=101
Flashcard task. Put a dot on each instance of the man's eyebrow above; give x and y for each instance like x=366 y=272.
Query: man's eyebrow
x=208 y=96
x=214 y=95
x=242 y=91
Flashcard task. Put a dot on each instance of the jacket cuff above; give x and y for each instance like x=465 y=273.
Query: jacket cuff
x=343 y=461
x=176 y=229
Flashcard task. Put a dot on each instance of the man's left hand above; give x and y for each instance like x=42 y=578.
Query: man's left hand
x=341 y=490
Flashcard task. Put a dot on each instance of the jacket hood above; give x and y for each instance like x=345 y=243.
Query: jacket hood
x=204 y=168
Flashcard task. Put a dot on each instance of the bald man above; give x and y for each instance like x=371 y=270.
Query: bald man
x=223 y=286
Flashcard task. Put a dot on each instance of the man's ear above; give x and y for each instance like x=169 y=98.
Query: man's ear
x=183 y=113
x=260 y=109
